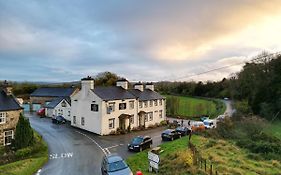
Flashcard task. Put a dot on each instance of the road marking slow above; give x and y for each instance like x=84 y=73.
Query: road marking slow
x=93 y=141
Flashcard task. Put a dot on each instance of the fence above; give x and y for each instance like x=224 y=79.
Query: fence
x=206 y=165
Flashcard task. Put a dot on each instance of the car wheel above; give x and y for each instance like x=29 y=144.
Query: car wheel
x=180 y=136
x=172 y=138
x=140 y=149
x=150 y=145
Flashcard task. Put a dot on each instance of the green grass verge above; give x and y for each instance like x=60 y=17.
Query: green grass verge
x=193 y=108
x=225 y=157
x=29 y=165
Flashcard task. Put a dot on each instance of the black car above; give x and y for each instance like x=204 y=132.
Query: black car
x=113 y=164
x=140 y=143
x=170 y=134
x=183 y=130
x=59 y=120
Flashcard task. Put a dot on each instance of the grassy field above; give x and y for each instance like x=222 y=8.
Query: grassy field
x=275 y=129
x=29 y=165
x=189 y=107
x=225 y=156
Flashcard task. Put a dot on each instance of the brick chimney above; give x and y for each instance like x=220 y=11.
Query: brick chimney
x=122 y=83
x=7 y=88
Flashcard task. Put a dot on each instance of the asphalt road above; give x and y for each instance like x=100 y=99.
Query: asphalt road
x=73 y=151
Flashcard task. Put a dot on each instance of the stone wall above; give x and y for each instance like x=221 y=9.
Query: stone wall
x=12 y=118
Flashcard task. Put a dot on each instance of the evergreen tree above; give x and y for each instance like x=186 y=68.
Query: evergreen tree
x=24 y=135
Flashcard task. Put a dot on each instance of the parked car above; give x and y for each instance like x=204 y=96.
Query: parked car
x=209 y=124
x=198 y=126
x=170 y=134
x=140 y=143
x=59 y=120
x=220 y=118
x=112 y=164
x=204 y=118
x=41 y=112
x=183 y=130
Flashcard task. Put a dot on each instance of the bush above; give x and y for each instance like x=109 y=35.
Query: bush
x=163 y=123
x=23 y=153
x=24 y=135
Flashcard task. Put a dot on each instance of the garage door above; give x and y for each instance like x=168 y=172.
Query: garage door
x=36 y=107
x=26 y=107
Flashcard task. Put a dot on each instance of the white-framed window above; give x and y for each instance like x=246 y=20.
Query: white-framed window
x=146 y=117
x=111 y=123
x=3 y=116
x=74 y=119
x=132 y=119
x=155 y=102
x=160 y=113
x=63 y=104
x=150 y=103
x=160 y=102
x=145 y=104
x=95 y=107
x=131 y=104
x=82 y=121
x=140 y=104
x=155 y=113
x=122 y=106
x=110 y=107
x=9 y=136
x=150 y=114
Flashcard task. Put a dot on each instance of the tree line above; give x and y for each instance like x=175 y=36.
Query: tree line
x=257 y=87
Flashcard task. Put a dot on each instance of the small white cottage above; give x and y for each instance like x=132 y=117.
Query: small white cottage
x=105 y=109
x=59 y=106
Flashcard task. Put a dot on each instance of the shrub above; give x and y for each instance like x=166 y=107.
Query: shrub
x=24 y=135
x=163 y=123
x=24 y=152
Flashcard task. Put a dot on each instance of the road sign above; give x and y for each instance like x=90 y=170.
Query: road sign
x=153 y=157
x=153 y=165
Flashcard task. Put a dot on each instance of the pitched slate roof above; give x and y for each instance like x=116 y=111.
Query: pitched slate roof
x=113 y=93
x=52 y=92
x=146 y=94
x=8 y=103
x=56 y=101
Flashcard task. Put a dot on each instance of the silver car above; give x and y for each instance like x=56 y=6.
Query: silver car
x=112 y=164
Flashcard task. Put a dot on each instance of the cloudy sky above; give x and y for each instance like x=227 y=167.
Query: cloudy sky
x=141 y=40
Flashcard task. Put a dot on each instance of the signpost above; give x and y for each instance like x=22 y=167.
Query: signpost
x=154 y=160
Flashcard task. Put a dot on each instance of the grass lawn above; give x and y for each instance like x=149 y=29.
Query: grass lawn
x=275 y=129
x=226 y=157
x=190 y=107
x=29 y=165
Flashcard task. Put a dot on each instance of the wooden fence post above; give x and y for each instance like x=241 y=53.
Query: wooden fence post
x=211 y=169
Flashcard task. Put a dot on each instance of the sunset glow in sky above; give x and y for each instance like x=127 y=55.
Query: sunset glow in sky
x=141 y=40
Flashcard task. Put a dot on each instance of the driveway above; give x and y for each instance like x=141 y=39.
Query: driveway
x=73 y=151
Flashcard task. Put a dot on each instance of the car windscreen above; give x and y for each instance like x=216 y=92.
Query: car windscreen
x=116 y=166
x=136 y=140
x=167 y=132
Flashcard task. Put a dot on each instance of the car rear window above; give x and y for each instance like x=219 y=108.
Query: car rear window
x=116 y=166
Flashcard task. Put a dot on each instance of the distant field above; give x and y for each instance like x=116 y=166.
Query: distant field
x=189 y=107
x=275 y=129
x=226 y=158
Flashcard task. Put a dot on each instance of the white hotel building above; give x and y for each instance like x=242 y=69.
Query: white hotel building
x=104 y=109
